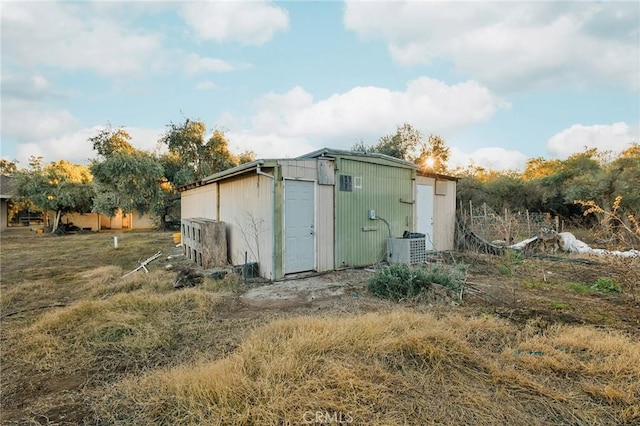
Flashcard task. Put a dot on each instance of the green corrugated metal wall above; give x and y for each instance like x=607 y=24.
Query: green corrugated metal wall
x=361 y=241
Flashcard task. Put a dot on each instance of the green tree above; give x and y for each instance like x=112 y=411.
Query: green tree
x=434 y=155
x=110 y=141
x=200 y=158
x=191 y=158
x=8 y=167
x=407 y=143
x=125 y=178
x=61 y=187
x=614 y=185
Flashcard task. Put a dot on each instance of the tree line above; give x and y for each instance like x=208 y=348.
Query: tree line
x=588 y=187
x=591 y=187
x=123 y=178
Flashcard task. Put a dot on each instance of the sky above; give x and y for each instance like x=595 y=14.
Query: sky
x=500 y=82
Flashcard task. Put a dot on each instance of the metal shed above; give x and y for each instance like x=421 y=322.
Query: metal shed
x=325 y=210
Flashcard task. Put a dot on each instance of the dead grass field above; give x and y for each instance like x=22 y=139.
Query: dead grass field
x=530 y=344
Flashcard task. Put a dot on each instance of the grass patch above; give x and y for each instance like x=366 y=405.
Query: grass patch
x=602 y=285
x=504 y=270
x=125 y=332
x=230 y=283
x=581 y=288
x=395 y=368
x=560 y=306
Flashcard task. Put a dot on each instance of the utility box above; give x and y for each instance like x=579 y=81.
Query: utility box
x=408 y=251
x=204 y=241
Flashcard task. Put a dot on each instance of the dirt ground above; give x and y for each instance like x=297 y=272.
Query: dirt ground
x=532 y=288
x=520 y=290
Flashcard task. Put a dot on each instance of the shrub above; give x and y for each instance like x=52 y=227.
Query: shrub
x=397 y=282
x=606 y=285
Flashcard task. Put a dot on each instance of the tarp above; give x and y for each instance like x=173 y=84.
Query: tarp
x=570 y=244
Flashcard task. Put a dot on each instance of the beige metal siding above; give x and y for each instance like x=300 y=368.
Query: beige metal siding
x=299 y=169
x=444 y=217
x=444 y=212
x=199 y=202
x=325 y=233
x=246 y=206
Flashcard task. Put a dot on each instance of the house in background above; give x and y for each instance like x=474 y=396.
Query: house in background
x=325 y=210
x=6 y=188
x=98 y=222
x=86 y=221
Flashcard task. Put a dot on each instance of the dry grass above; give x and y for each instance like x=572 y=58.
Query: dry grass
x=81 y=344
x=397 y=368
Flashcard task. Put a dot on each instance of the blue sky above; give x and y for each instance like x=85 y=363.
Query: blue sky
x=501 y=82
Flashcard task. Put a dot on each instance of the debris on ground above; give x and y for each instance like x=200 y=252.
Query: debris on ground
x=188 y=276
x=143 y=264
x=550 y=241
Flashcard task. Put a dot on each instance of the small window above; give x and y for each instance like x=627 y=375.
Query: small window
x=346 y=183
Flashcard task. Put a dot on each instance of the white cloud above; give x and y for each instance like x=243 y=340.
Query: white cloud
x=206 y=85
x=493 y=158
x=74 y=36
x=268 y=145
x=24 y=86
x=25 y=120
x=74 y=145
x=615 y=137
x=510 y=45
x=196 y=64
x=365 y=112
x=253 y=23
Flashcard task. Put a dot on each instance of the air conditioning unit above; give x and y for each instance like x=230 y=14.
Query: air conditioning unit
x=409 y=251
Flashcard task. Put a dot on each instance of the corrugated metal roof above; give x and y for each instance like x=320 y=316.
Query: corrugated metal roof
x=324 y=152
x=438 y=176
x=234 y=171
x=363 y=155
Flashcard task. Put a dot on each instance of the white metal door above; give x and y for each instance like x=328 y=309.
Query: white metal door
x=299 y=226
x=424 y=213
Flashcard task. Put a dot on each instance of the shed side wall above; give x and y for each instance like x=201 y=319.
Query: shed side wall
x=246 y=206
x=361 y=241
x=199 y=202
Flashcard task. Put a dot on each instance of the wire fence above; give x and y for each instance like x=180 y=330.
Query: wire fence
x=508 y=226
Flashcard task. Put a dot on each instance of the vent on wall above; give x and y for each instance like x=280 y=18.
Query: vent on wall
x=346 y=183
x=441 y=187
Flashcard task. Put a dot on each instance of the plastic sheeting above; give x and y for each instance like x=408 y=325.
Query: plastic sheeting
x=570 y=244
